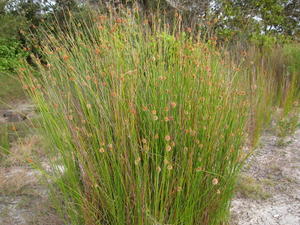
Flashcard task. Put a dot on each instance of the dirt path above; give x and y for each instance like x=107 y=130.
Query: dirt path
x=17 y=112
x=271 y=185
x=23 y=196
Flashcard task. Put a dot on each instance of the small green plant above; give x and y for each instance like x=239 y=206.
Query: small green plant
x=286 y=127
x=4 y=140
x=12 y=90
x=291 y=100
x=249 y=187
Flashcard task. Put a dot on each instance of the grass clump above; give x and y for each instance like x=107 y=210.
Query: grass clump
x=17 y=183
x=249 y=187
x=11 y=90
x=4 y=140
x=146 y=121
x=286 y=127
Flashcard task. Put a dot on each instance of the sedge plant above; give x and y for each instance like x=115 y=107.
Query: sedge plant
x=145 y=123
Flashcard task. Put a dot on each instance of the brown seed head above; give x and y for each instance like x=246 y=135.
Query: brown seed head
x=173 y=104
x=167 y=138
x=215 y=181
x=168 y=148
x=169 y=167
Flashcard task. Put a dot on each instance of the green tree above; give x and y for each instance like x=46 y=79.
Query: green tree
x=292 y=18
x=10 y=23
x=269 y=17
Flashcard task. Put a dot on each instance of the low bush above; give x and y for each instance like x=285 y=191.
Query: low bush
x=10 y=54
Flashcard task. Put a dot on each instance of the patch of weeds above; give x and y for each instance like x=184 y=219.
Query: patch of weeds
x=24 y=150
x=286 y=127
x=5 y=217
x=16 y=182
x=44 y=213
x=20 y=144
x=249 y=187
x=4 y=212
x=290 y=180
x=4 y=141
x=275 y=171
x=12 y=91
x=17 y=130
x=268 y=182
x=281 y=142
x=25 y=202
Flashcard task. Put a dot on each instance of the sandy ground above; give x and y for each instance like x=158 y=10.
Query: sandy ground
x=277 y=170
x=23 y=196
x=17 y=112
x=24 y=199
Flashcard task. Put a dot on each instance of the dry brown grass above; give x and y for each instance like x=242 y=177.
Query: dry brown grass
x=25 y=150
x=249 y=187
x=17 y=181
x=24 y=198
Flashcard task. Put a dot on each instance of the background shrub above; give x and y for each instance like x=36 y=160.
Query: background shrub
x=10 y=54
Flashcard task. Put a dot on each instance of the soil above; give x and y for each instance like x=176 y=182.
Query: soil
x=24 y=200
x=17 y=112
x=277 y=170
x=24 y=196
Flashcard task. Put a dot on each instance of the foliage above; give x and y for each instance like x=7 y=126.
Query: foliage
x=287 y=126
x=268 y=17
x=10 y=53
x=10 y=23
x=4 y=141
x=250 y=188
x=292 y=51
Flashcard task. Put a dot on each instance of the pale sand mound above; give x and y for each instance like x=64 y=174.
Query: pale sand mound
x=277 y=170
